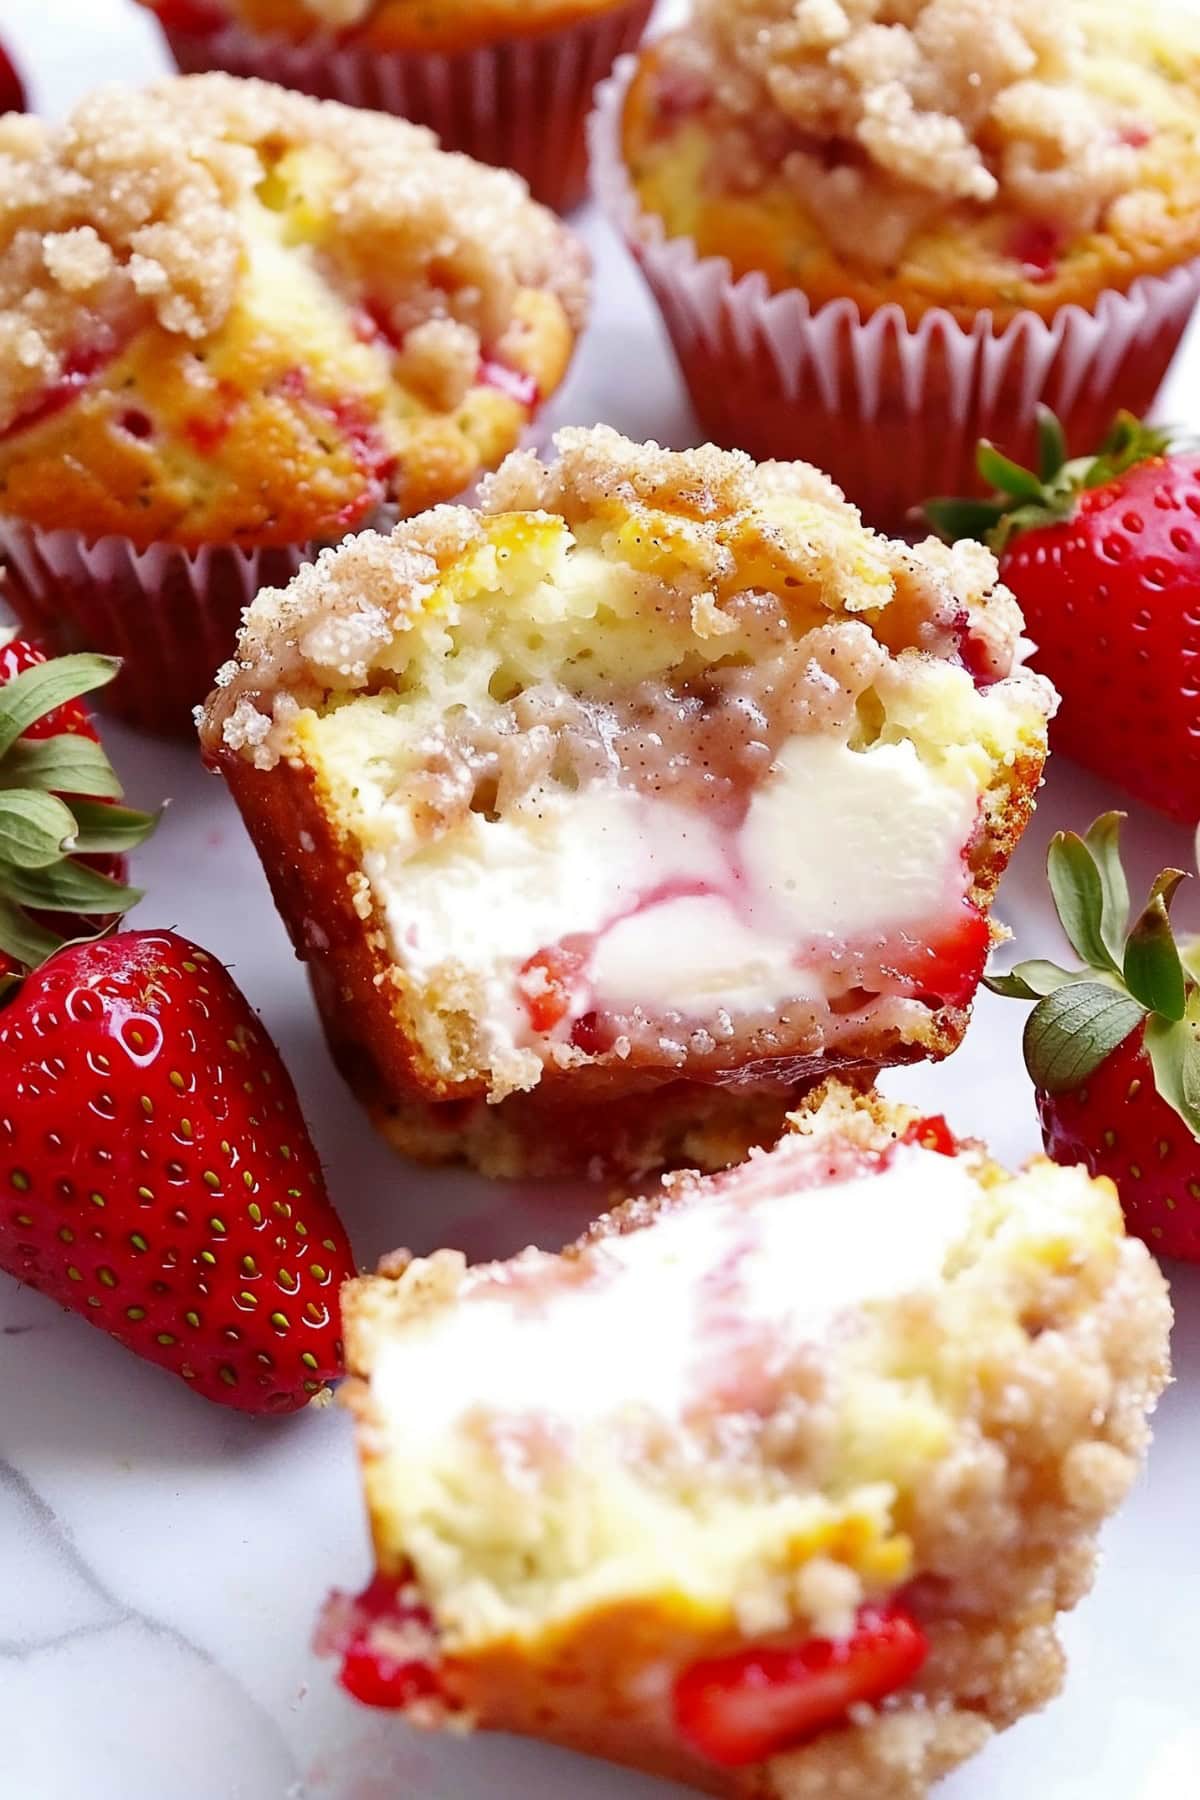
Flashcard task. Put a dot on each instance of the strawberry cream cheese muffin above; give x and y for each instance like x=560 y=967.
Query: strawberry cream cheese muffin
x=882 y=228
x=507 y=81
x=235 y=322
x=775 y=1482
x=618 y=812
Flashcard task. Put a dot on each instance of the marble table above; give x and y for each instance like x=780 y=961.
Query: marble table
x=162 y=1562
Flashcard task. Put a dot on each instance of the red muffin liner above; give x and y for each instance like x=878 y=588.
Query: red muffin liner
x=892 y=411
x=172 y=615
x=521 y=103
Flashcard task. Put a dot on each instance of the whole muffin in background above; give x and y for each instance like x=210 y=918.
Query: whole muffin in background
x=879 y=229
x=774 y=1483
x=235 y=322
x=611 y=817
x=507 y=81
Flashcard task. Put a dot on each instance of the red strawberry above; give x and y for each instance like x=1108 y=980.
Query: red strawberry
x=156 y=1174
x=12 y=93
x=61 y=835
x=1103 y=554
x=1114 y=1047
x=740 y=1709
x=199 y=16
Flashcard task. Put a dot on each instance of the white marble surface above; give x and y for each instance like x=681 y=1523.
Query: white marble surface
x=162 y=1562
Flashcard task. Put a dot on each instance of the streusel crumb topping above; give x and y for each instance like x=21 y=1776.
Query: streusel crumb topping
x=722 y=523
x=881 y=112
x=134 y=212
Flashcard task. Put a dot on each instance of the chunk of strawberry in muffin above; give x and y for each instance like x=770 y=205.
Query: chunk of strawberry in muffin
x=773 y=1483
x=661 y=772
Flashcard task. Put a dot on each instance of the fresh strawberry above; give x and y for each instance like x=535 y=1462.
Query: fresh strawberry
x=1103 y=554
x=12 y=91
x=62 y=870
x=742 y=1708
x=156 y=1175
x=1113 y=1047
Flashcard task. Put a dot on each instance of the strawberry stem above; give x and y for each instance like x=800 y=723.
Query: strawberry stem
x=1023 y=500
x=1130 y=979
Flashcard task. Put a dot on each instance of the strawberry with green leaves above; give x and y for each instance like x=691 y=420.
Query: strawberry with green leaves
x=156 y=1174
x=1113 y=1046
x=62 y=834
x=1103 y=554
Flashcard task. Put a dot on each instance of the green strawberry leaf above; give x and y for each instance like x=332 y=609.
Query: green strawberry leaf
x=100 y=828
x=1154 y=973
x=69 y=764
x=1052 y=444
x=66 y=887
x=1070 y=1033
x=35 y=829
x=1078 y=893
x=1174 y=1053
x=954 y=519
x=22 y=941
x=1006 y=476
x=1103 y=839
x=1032 y=980
x=35 y=692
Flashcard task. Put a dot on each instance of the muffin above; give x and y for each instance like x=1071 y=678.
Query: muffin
x=611 y=816
x=775 y=1482
x=235 y=322
x=506 y=81
x=880 y=231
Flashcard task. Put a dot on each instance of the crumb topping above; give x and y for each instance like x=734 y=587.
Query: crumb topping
x=724 y=534
x=135 y=213
x=880 y=113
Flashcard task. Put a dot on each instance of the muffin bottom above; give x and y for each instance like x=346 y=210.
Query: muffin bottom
x=519 y=104
x=171 y=615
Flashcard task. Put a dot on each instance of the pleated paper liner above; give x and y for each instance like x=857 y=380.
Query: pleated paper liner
x=521 y=103
x=172 y=615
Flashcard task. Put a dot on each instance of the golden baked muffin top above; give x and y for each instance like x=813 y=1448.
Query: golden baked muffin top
x=233 y=313
x=957 y=153
x=380 y=24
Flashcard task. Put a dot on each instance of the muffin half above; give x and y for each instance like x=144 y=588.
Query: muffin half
x=776 y=1481
x=620 y=811
x=233 y=322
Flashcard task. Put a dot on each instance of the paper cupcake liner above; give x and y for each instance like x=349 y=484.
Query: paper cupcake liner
x=172 y=615
x=521 y=103
x=892 y=411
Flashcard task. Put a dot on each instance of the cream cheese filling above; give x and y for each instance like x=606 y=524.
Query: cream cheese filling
x=672 y=909
x=659 y=1317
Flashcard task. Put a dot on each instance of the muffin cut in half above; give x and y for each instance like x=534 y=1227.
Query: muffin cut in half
x=634 y=803
x=776 y=1481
